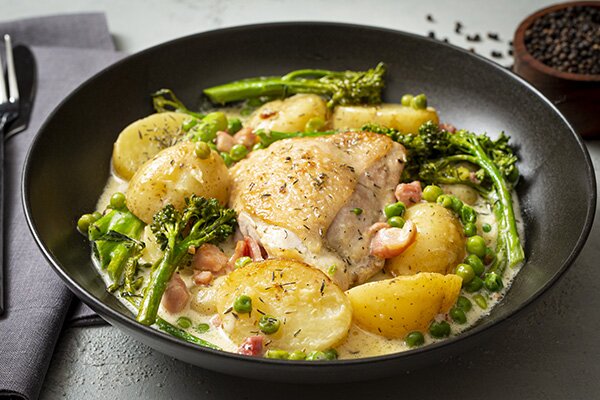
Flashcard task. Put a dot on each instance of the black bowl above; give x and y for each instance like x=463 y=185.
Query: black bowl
x=69 y=162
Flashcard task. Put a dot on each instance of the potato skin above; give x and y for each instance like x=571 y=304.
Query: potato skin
x=314 y=313
x=143 y=139
x=174 y=174
x=394 y=307
x=404 y=119
x=439 y=246
x=289 y=115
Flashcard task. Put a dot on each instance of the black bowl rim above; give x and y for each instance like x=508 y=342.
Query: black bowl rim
x=96 y=304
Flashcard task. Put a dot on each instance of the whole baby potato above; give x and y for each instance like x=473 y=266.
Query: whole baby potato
x=439 y=246
x=143 y=139
x=313 y=313
x=394 y=307
x=289 y=115
x=404 y=119
x=174 y=174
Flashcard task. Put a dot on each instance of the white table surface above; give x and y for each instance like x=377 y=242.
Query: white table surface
x=549 y=351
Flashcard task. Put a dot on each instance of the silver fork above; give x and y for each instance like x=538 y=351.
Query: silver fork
x=9 y=111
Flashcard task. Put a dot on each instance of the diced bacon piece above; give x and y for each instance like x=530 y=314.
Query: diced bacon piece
x=176 y=295
x=246 y=137
x=377 y=226
x=251 y=346
x=209 y=258
x=202 y=277
x=224 y=141
x=409 y=193
x=448 y=128
x=241 y=250
x=216 y=321
x=254 y=250
x=390 y=242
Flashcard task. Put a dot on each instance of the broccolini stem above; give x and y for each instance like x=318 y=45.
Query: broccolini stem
x=156 y=287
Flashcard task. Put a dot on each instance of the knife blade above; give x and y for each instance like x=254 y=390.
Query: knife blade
x=27 y=81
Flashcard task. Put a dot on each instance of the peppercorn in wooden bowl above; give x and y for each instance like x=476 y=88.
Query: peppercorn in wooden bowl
x=557 y=49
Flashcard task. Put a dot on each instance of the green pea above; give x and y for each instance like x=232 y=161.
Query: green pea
x=189 y=124
x=490 y=256
x=419 y=102
x=457 y=204
x=463 y=173
x=439 y=329
x=394 y=210
x=480 y=301
x=202 y=150
x=202 y=328
x=464 y=303
x=331 y=354
x=233 y=125
x=257 y=146
x=117 y=201
x=242 y=262
x=414 y=339
x=212 y=146
x=492 y=282
x=467 y=214
x=475 y=263
x=470 y=229
x=184 y=322
x=206 y=130
x=458 y=315
x=476 y=245
x=297 y=355
x=465 y=271
x=396 y=222
x=475 y=285
x=238 y=151
x=432 y=192
x=357 y=211
x=268 y=324
x=243 y=304
x=486 y=228
x=97 y=215
x=406 y=100
x=84 y=222
x=316 y=356
x=314 y=124
x=445 y=201
x=277 y=354
x=226 y=159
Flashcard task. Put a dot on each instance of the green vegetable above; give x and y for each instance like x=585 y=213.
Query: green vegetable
x=431 y=193
x=486 y=228
x=184 y=322
x=202 y=328
x=480 y=301
x=357 y=211
x=268 y=324
x=226 y=158
x=277 y=354
x=470 y=229
x=242 y=262
x=406 y=100
x=316 y=356
x=314 y=124
x=457 y=204
x=419 y=102
x=297 y=355
x=233 y=125
x=475 y=263
x=464 y=303
x=202 y=150
x=344 y=87
x=414 y=339
x=84 y=222
x=445 y=201
x=189 y=124
x=331 y=354
x=465 y=271
x=117 y=200
x=396 y=222
x=238 y=151
x=97 y=215
x=475 y=285
x=331 y=270
x=458 y=315
x=439 y=329
x=269 y=137
x=201 y=221
x=206 y=130
x=243 y=304
x=467 y=215
x=476 y=245
x=492 y=282
x=165 y=100
x=394 y=210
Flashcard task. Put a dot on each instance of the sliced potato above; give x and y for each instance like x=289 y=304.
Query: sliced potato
x=204 y=298
x=174 y=174
x=397 y=306
x=404 y=119
x=143 y=139
x=465 y=193
x=289 y=115
x=314 y=313
x=439 y=246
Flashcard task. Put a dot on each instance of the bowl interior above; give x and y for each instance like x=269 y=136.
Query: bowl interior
x=70 y=161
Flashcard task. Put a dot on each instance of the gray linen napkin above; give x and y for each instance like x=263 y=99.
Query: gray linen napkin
x=36 y=300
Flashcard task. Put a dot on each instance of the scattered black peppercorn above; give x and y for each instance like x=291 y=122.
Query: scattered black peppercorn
x=474 y=38
x=496 y=54
x=510 y=52
x=510 y=43
x=567 y=39
x=472 y=49
x=431 y=34
x=446 y=40
x=493 y=36
x=458 y=27
x=429 y=18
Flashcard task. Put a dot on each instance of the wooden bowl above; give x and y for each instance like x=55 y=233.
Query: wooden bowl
x=577 y=96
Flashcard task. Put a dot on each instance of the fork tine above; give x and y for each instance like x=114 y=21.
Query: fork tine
x=3 y=95
x=13 y=89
